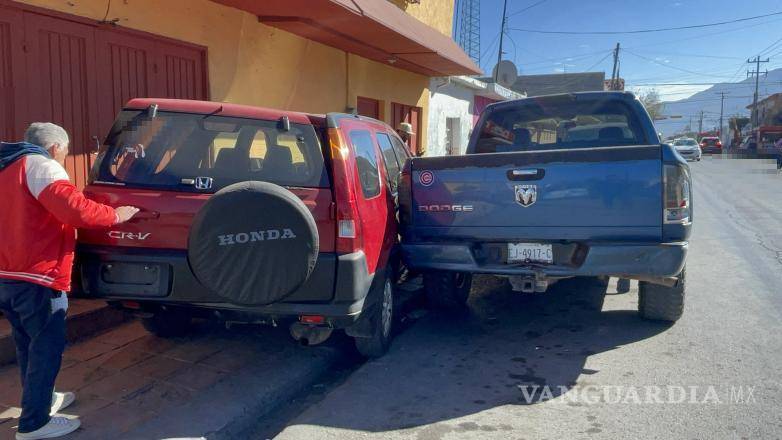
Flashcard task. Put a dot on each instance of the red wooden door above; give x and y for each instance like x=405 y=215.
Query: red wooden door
x=412 y=115
x=181 y=72
x=12 y=101
x=61 y=84
x=77 y=74
x=138 y=66
x=126 y=71
x=368 y=107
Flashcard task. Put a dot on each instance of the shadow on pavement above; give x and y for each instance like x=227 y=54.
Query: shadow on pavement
x=449 y=366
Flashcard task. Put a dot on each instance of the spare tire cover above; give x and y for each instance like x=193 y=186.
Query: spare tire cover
x=253 y=243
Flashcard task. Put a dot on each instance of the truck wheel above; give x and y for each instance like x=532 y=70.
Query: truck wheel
x=591 y=291
x=661 y=303
x=168 y=323
x=447 y=290
x=383 y=315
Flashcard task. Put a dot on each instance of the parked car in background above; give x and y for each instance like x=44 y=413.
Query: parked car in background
x=688 y=148
x=249 y=214
x=711 y=145
x=538 y=210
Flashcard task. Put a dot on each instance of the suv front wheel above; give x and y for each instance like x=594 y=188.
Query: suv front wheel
x=383 y=315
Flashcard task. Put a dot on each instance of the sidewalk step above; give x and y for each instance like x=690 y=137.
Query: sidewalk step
x=85 y=318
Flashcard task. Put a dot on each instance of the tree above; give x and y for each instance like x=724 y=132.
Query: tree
x=651 y=100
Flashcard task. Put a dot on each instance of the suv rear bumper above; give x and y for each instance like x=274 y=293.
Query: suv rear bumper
x=336 y=289
x=621 y=260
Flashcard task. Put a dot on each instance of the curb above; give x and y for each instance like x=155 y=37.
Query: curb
x=243 y=399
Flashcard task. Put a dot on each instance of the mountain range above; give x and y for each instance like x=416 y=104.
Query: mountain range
x=738 y=96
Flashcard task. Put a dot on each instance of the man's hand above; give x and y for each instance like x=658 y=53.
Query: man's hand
x=125 y=213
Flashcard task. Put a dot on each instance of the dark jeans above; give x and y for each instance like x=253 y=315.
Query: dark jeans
x=40 y=340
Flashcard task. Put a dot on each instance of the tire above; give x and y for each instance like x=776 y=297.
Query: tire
x=447 y=290
x=661 y=303
x=168 y=324
x=253 y=243
x=382 y=319
x=591 y=292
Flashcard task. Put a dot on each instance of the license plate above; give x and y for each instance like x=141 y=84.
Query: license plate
x=533 y=252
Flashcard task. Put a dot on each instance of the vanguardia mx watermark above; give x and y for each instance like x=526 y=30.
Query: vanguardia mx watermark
x=639 y=395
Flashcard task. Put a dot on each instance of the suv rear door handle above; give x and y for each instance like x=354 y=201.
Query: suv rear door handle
x=146 y=215
x=526 y=174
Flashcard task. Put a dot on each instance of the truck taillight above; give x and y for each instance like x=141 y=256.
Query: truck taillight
x=676 y=181
x=348 y=219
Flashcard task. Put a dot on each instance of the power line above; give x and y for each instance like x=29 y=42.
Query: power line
x=690 y=55
x=528 y=7
x=644 y=31
x=673 y=67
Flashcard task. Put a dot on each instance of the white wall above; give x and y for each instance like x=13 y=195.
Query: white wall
x=448 y=101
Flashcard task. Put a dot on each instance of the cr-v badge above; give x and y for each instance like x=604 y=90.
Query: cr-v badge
x=526 y=195
x=129 y=235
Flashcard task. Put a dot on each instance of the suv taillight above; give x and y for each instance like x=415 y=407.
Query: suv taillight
x=676 y=181
x=348 y=220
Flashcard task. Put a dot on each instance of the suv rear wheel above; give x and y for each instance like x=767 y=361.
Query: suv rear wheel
x=662 y=303
x=383 y=315
x=447 y=290
x=168 y=323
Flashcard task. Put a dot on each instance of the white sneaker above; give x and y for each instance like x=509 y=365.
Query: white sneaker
x=57 y=427
x=60 y=401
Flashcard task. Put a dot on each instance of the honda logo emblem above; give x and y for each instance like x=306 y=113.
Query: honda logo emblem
x=203 y=182
x=526 y=195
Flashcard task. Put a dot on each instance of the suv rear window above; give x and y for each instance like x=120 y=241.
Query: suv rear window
x=558 y=122
x=176 y=150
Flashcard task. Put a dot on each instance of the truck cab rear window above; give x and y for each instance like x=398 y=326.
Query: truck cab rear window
x=557 y=123
x=176 y=150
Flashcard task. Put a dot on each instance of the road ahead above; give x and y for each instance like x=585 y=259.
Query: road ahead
x=465 y=376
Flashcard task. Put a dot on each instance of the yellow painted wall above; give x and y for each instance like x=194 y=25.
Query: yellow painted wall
x=436 y=13
x=251 y=63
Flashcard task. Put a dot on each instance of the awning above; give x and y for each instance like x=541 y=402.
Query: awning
x=374 y=29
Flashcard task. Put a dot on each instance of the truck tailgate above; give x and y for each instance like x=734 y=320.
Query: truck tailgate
x=599 y=193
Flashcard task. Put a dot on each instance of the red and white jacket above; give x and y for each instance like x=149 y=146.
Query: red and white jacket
x=40 y=210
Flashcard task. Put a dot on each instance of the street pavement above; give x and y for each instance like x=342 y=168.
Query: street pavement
x=714 y=374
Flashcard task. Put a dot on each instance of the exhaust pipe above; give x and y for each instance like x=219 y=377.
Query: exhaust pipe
x=307 y=334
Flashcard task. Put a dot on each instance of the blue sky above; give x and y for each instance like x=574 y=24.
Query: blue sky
x=715 y=54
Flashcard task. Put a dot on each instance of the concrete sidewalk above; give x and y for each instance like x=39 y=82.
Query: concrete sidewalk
x=214 y=383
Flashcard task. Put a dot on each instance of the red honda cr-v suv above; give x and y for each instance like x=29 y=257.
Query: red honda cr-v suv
x=249 y=214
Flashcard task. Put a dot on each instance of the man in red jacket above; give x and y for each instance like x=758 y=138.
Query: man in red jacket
x=38 y=220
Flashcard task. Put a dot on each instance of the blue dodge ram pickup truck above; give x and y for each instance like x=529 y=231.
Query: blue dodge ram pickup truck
x=554 y=187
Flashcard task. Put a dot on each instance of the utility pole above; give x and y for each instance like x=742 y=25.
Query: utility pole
x=700 y=124
x=502 y=35
x=615 y=71
x=722 y=109
x=756 y=73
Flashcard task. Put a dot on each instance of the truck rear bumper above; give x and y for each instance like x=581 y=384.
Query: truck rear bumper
x=621 y=260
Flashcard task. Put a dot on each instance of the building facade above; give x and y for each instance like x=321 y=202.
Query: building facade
x=769 y=110
x=454 y=106
x=75 y=62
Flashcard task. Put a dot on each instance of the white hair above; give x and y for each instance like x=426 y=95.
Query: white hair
x=45 y=134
